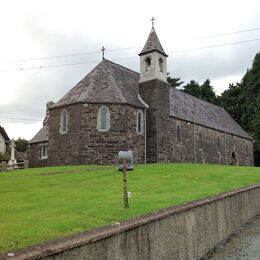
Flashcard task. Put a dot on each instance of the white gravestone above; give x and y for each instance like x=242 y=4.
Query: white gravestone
x=12 y=164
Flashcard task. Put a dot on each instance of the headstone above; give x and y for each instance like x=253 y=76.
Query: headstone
x=12 y=164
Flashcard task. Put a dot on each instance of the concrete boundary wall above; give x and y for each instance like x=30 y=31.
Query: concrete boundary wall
x=187 y=231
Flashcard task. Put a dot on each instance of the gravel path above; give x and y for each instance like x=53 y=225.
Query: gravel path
x=245 y=244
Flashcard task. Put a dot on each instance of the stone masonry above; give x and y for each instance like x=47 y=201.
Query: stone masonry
x=84 y=144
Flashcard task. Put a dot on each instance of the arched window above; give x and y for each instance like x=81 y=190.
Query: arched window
x=64 y=122
x=200 y=138
x=233 y=160
x=219 y=142
x=140 y=122
x=161 y=64
x=178 y=132
x=148 y=61
x=103 y=123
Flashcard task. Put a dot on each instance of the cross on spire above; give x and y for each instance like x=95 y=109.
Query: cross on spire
x=103 y=52
x=152 y=20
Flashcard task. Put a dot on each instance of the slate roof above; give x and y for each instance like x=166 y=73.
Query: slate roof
x=4 y=134
x=192 y=109
x=108 y=82
x=153 y=44
x=112 y=83
x=41 y=136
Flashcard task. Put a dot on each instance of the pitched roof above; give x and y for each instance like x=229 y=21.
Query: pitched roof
x=112 y=83
x=153 y=44
x=41 y=136
x=108 y=82
x=4 y=134
x=190 y=108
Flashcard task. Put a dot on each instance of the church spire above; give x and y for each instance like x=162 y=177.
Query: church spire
x=153 y=43
x=153 y=59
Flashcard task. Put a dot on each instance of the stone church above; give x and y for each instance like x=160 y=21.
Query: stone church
x=114 y=108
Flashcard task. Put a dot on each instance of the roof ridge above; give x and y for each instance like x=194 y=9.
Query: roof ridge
x=118 y=88
x=122 y=86
x=4 y=133
x=119 y=65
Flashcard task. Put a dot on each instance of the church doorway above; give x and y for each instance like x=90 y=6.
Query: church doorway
x=233 y=158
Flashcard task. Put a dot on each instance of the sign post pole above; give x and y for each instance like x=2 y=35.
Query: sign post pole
x=126 y=205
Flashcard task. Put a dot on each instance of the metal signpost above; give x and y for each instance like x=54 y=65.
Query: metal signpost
x=126 y=205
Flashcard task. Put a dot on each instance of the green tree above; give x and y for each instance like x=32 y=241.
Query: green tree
x=204 y=91
x=174 y=82
x=21 y=144
x=207 y=92
x=3 y=157
x=242 y=101
x=231 y=101
x=193 y=88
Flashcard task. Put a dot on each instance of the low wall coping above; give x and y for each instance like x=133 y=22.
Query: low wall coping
x=69 y=242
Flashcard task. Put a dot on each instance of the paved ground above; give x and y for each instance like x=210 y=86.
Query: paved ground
x=245 y=244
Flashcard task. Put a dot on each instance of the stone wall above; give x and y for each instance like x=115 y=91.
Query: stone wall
x=197 y=144
x=33 y=152
x=187 y=231
x=64 y=148
x=156 y=94
x=210 y=146
x=84 y=144
x=102 y=147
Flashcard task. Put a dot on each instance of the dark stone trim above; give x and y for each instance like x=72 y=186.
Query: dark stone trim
x=101 y=103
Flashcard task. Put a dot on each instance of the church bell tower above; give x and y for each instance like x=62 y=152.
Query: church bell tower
x=154 y=90
x=153 y=59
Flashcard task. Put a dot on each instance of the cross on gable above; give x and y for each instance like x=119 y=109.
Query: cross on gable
x=152 y=20
x=103 y=52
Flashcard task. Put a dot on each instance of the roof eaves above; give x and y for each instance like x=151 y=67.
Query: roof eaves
x=152 y=50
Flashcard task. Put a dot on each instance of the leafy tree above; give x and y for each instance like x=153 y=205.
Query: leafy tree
x=21 y=144
x=242 y=101
x=231 y=101
x=4 y=157
x=205 y=91
x=193 y=88
x=174 y=82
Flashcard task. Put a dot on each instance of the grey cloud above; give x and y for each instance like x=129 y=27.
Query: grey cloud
x=43 y=85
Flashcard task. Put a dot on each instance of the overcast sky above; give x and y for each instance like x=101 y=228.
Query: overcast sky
x=38 y=29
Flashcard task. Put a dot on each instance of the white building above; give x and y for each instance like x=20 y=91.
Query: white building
x=4 y=140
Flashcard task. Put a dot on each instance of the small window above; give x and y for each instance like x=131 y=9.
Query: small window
x=200 y=137
x=140 y=122
x=161 y=64
x=64 y=122
x=219 y=142
x=148 y=62
x=178 y=131
x=44 y=152
x=103 y=119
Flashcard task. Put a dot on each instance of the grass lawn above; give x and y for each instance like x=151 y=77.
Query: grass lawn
x=46 y=203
